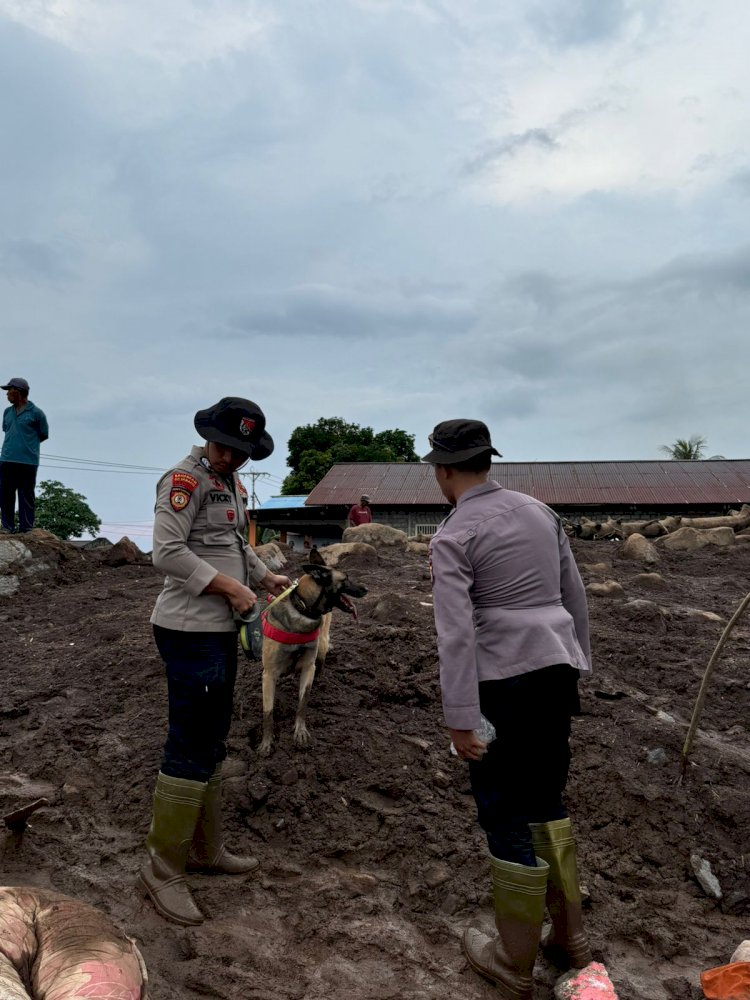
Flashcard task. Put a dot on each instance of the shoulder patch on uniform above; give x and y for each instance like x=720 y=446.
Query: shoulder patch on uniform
x=184 y=481
x=241 y=487
x=179 y=498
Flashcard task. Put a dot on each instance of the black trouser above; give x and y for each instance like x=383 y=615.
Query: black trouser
x=17 y=477
x=522 y=776
x=201 y=671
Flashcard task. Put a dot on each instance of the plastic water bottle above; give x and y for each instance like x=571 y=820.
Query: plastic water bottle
x=486 y=733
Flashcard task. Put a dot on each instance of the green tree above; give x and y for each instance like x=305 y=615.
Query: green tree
x=64 y=512
x=691 y=450
x=315 y=448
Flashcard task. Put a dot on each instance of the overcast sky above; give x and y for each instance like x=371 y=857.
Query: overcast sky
x=393 y=211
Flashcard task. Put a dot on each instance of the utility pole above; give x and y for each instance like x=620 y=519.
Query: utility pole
x=254 y=476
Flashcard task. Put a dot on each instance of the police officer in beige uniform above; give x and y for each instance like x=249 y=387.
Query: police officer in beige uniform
x=513 y=634
x=200 y=529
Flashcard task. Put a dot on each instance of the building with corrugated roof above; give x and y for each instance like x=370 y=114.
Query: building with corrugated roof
x=406 y=496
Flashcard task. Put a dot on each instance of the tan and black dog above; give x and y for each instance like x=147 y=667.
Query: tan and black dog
x=296 y=636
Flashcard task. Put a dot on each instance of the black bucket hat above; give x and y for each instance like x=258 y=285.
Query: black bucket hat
x=455 y=441
x=237 y=423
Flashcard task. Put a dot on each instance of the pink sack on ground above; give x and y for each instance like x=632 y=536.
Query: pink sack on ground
x=591 y=983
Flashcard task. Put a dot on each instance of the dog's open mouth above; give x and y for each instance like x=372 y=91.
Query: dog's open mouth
x=346 y=605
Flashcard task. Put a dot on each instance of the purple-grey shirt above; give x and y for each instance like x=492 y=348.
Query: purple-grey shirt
x=507 y=595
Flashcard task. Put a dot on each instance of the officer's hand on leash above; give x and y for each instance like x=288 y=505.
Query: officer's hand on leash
x=468 y=745
x=275 y=584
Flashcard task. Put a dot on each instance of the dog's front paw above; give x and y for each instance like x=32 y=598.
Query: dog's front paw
x=265 y=748
x=302 y=736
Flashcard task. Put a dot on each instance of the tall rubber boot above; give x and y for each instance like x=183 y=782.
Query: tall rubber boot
x=177 y=806
x=568 y=944
x=209 y=852
x=508 y=959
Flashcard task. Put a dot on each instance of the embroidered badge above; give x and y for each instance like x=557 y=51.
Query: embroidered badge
x=184 y=481
x=246 y=426
x=179 y=499
x=244 y=495
x=230 y=515
x=217 y=483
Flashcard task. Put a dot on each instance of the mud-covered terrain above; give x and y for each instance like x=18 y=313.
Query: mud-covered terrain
x=372 y=862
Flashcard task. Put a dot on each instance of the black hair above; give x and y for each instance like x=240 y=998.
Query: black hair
x=479 y=463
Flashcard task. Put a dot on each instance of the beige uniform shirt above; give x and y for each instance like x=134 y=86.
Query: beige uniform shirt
x=200 y=529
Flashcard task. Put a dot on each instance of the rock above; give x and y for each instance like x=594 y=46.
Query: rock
x=586 y=984
x=233 y=768
x=271 y=555
x=665 y=717
x=639 y=549
x=258 y=792
x=436 y=875
x=657 y=756
x=706 y=878
x=390 y=608
x=418 y=548
x=441 y=779
x=654 y=580
x=596 y=569
x=8 y=585
x=688 y=539
x=742 y=953
x=349 y=553
x=706 y=616
x=609 y=588
x=643 y=610
x=451 y=904
x=123 y=553
x=359 y=883
x=379 y=535
x=13 y=552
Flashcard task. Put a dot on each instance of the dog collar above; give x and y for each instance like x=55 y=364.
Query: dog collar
x=289 y=638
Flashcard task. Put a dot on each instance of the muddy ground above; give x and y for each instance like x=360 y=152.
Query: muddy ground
x=372 y=862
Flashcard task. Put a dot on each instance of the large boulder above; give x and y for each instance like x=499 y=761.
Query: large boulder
x=418 y=548
x=271 y=555
x=639 y=549
x=688 y=539
x=349 y=554
x=36 y=554
x=379 y=535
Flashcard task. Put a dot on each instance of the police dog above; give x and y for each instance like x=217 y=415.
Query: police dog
x=296 y=636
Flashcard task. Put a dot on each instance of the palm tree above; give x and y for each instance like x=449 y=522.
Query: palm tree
x=691 y=450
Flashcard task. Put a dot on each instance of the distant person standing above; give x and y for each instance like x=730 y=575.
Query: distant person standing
x=360 y=513
x=25 y=427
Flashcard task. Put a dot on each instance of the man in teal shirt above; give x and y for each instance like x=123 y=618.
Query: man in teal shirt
x=25 y=427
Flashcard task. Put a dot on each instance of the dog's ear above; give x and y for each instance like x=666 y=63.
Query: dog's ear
x=321 y=574
x=316 y=557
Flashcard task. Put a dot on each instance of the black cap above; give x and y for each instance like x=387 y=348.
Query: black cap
x=237 y=423
x=16 y=383
x=455 y=441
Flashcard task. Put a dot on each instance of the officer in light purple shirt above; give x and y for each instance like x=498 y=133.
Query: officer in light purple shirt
x=513 y=635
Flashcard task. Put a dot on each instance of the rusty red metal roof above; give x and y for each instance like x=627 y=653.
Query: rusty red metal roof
x=576 y=484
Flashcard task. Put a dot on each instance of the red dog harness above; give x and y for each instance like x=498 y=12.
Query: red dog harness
x=289 y=638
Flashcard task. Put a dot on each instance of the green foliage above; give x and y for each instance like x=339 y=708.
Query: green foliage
x=691 y=450
x=64 y=512
x=315 y=448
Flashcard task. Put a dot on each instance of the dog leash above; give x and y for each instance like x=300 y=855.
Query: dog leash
x=284 y=594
